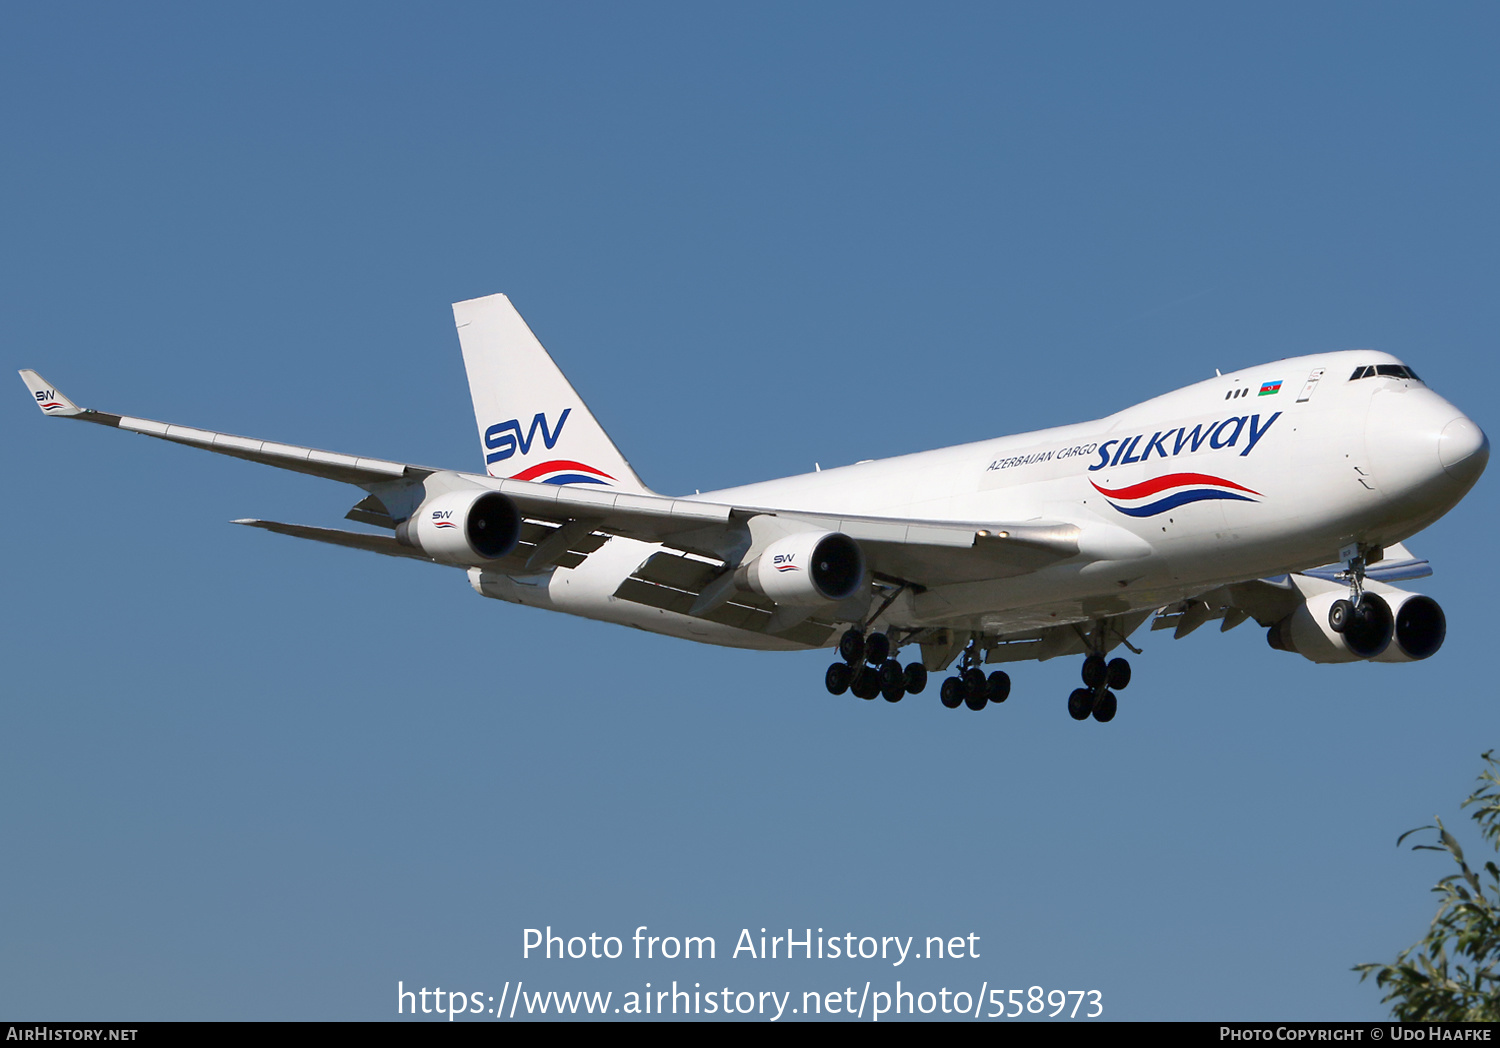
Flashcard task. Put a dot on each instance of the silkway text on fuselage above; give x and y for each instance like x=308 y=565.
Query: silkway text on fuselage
x=1218 y=435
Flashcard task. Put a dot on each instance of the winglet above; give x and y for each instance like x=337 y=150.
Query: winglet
x=48 y=398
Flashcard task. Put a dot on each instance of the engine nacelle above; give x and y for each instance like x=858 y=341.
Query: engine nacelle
x=1420 y=629
x=463 y=527
x=1306 y=630
x=806 y=570
x=1391 y=625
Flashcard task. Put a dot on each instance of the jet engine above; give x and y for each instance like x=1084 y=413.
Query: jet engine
x=471 y=527
x=1419 y=631
x=806 y=569
x=1390 y=625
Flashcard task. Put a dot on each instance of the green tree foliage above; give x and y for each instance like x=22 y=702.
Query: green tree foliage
x=1450 y=975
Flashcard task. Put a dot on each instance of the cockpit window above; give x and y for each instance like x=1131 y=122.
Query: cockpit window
x=1384 y=371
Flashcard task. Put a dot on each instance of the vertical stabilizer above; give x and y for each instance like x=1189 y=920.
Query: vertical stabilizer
x=532 y=424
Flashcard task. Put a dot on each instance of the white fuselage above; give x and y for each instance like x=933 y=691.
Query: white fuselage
x=1214 y=483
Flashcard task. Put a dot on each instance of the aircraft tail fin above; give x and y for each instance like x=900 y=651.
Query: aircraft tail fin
x=532 y=424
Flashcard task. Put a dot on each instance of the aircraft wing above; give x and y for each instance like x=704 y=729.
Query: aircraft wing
x=1268 y=601
x=349 y=469
x=564 y=524
x=925 y=552
x=1398 y=564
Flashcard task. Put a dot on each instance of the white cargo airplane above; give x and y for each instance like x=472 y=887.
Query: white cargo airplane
x=1279 y=493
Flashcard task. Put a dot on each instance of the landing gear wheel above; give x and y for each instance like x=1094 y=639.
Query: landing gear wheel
x=852 y=647
x=892 y=680
x=1370 y=627
x=1104 y=709
x=1095 y=672
x=975 y=687
x=1339 y=614
x=999 y=686
x=952 y=694
x=1080 y=704
x=891 y=675
x=916 y=678
x=976 y=698
x=866 y=683
x=877 y=648
x=837 y=678
x=1118 y=677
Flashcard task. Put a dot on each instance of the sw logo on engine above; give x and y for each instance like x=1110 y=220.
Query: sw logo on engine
x=504 y=438
x=783 y=562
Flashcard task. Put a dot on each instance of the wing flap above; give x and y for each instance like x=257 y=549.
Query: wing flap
x=688 y=574
x=370 y=510
x=737 y=613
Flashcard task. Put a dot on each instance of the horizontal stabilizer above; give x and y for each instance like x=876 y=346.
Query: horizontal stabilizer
x=333 y=536
x=569 y=553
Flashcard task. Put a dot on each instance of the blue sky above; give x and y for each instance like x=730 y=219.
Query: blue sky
x=246 y=777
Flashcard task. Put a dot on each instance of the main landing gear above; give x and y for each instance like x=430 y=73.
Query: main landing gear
x=1100 y=682
x=970 y=687
x=869 y=670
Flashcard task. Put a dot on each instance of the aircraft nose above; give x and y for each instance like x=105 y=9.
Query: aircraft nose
x=1464 y=450
x=1423 y=447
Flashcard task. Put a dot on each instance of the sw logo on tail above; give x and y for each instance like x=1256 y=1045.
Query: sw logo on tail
x=506 y=437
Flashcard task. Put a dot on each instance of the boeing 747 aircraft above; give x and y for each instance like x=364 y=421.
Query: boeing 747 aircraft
x=1281 y=493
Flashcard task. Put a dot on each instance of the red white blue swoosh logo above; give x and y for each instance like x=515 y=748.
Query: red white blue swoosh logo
x=563 y=471
x=1151 y=497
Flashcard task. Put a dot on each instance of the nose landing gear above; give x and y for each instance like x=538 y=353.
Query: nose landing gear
x=1342 y=613
x=1364 y=620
